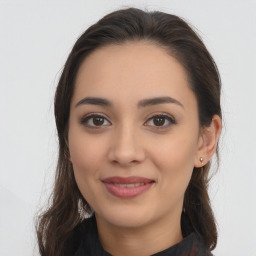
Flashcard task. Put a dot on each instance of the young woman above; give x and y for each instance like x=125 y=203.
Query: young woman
x=138 y=116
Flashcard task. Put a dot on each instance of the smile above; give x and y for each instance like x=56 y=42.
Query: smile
x=127 y=187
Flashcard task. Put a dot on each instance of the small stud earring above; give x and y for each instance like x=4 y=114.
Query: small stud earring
x=201 y=160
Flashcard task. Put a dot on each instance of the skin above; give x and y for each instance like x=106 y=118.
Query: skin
x=127 y=142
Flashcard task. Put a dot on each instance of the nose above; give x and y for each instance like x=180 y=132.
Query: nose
x=126 y=147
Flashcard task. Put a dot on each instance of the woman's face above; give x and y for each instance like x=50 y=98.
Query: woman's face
x=133 y=134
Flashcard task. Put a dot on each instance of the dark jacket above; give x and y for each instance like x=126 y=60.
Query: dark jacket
x=88 y=243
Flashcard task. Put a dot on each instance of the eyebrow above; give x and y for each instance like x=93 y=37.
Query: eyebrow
x=142 y=103
x=158 y=100
x=94 y=101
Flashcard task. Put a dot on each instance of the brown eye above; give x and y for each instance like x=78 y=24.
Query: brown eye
x=159 y=121
x=98 y=120
x=94 y=121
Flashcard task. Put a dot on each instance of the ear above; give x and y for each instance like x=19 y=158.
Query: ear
x=208 y=141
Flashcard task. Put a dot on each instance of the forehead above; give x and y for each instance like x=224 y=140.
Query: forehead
x=138 y=69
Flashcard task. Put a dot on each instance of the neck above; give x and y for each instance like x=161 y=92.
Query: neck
x=125 y=241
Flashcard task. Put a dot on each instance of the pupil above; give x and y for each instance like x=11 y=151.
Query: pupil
x=158 y=121
x=98 y=120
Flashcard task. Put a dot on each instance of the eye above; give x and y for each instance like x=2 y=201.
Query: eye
x=161 y=121
x=94 y=121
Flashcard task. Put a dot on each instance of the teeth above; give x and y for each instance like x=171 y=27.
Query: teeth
x=129 y=185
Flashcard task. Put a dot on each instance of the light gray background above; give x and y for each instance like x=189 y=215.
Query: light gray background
x=35 y=38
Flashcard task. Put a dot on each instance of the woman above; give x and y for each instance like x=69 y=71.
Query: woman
x=138 y=116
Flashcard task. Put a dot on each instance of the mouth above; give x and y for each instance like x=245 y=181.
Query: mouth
x=127 y=187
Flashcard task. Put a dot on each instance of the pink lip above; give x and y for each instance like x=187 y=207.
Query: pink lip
x=112 y=184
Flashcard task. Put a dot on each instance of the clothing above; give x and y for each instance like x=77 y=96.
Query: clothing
x=89 y=244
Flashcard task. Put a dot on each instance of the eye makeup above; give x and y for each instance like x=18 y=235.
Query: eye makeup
x=156 y=121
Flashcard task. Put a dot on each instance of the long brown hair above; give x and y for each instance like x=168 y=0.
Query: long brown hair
x=56 y=226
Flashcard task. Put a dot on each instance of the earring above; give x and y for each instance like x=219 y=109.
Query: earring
x=201 y=160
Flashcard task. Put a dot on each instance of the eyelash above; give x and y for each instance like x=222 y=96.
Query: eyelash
x=84 y=121
x=168 y=118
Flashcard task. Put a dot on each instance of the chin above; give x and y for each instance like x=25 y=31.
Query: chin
x=125 y=218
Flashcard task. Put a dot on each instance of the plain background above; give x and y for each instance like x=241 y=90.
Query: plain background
x=35 y=39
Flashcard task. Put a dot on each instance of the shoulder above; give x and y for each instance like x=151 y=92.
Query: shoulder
x=198 y=248
x=192 y=244
x=87 y=242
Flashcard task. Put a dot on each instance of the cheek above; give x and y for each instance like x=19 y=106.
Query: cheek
x=86 y=156
x=175 y=162
x=85 y=151
x=177 y=150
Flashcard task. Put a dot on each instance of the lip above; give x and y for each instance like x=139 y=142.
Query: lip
x=127 y=187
